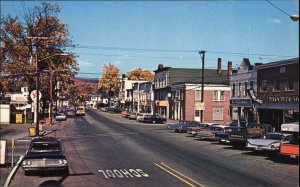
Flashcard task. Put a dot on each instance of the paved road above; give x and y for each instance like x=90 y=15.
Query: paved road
x=107 y=150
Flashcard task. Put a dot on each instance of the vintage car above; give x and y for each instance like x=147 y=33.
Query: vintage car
x=210 y=133
x=269 y=142
x=290 y=149
x=182 y=125
x=154 y=119
x=45 y=154
x=133 y=116
x=194 y=130
x=238 y=136
x=60 y=116
x=125 y=114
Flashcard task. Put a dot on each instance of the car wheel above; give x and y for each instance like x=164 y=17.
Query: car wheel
x=153 y=121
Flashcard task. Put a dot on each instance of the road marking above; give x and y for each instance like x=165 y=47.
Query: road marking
x=182 y=177
x=121 y=173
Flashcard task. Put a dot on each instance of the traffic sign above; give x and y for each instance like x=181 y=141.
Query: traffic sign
x=33 y=95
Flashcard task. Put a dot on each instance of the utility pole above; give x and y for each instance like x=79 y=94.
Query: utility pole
x=37 y=80
x=202 y=55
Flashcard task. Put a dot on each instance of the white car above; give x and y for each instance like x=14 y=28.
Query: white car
x=269 y=142
x=60 y=117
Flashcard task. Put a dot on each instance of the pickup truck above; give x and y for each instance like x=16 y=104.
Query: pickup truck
x=238 y=136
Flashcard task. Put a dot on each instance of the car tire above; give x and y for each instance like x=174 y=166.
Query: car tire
x=153 y=121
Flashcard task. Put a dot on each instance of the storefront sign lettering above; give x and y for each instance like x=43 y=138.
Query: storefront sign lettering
x=283 y=99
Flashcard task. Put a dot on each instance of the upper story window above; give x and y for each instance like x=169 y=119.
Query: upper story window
x=276 y=85
x=198 y=95
x=289 y=85
x=219 y=96
x=282 y=70
x=251 y=84
x=239 y=90
x=245 y=90
x=233 y=90
x=263 y=86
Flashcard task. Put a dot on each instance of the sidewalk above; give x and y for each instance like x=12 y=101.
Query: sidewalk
x=19 y=132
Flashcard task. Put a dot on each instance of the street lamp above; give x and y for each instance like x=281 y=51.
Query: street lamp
x=37 y=89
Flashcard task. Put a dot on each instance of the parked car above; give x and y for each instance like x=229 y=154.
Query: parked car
x=60 y=116
x=45 y=154
x=114 y=110
x=104 y=109
x=238 y=136
x=140 y=117
x=132 y=116
x=125 y=114
x=210 y=133
x=154 y=119
x=182 y=125
x=70 y=112
x=269 y=142
x=290 y=149
x=194 y=130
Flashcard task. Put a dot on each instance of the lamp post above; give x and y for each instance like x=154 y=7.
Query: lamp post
x=202 y=55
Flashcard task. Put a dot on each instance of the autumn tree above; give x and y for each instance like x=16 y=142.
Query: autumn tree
x=140 y=74
x=110 y=78
x=29 y=43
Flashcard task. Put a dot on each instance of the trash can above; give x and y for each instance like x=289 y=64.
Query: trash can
x=31 y=131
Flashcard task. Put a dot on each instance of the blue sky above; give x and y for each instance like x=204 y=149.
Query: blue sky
x=143 y=34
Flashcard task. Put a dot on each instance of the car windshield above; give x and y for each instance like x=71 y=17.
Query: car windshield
x=273 y=136
x=45 y=147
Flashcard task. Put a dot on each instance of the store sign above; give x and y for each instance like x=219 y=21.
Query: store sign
x=199 y=106
x=283 y=99
x=253 y=96
x=19 y=118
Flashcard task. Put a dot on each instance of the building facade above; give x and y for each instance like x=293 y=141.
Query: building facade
x=278 y=88
x=242 y=108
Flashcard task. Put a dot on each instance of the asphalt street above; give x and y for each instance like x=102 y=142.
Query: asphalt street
x=105 y=149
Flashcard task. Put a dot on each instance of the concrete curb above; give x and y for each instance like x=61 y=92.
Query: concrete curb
x=13 y=172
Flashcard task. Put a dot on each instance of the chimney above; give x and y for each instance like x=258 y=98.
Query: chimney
x=219 y=70
x=229 y=71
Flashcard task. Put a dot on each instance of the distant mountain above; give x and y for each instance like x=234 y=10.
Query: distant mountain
x=87 y=81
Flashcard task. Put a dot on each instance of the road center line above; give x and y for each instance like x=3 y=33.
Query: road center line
x=178 y=177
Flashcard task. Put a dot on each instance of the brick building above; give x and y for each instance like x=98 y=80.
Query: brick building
x=278 y=88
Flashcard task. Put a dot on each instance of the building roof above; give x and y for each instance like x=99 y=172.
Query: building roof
x=279 y=63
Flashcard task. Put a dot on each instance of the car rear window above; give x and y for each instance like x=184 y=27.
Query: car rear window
x=45 y=147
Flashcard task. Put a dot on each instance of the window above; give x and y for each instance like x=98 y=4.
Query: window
x=198 y=95
x=245 y=90
x=233 y=90
x=276 y=85
x=217 y=113
x=222 y=95
x=289 y=84
x=219 y=96
x=263 y=86
x=282 y=69
x=239 y=90
x=215 y=96
x=197 y=113
x=251 y=84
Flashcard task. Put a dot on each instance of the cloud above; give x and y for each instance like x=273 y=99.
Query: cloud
x=84 y=63
x=276 y=21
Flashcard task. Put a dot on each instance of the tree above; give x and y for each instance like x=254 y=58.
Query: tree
x=110 y=78
x=140 y=74
x=18 y=48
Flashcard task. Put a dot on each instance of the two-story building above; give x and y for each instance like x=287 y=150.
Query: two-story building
x=186 y=102
x=278 y=88
x=143 y=97
x=242 y=106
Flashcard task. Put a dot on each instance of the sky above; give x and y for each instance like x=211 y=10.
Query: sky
x=144 y=34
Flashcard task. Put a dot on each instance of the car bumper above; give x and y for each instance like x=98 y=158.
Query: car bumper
x=50 y=168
